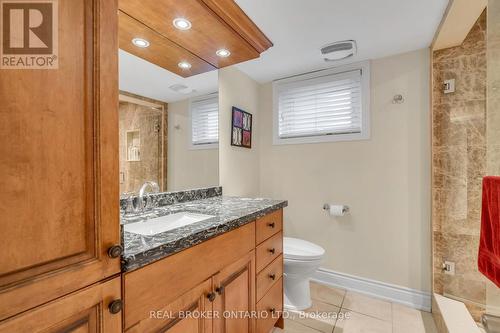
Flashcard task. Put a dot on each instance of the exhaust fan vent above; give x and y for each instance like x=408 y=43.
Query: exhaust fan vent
x=339 y=50
x=180 y=88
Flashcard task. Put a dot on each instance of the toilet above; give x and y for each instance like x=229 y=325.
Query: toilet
x=302 y=259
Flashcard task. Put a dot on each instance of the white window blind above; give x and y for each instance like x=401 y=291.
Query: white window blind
x=319 y=106
x=205 y=121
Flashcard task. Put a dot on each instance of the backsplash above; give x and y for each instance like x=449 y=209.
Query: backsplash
x=170 y=198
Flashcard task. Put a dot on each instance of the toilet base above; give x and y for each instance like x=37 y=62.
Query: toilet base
x=297 y=293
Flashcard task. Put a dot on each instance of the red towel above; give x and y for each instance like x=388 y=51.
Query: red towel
x=489 y=244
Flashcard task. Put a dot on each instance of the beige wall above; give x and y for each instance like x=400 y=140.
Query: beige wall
x=239 y=167
x=188 y=168
x=385 y=180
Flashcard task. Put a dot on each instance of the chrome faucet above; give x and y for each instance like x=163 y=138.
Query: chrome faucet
x=153 y=186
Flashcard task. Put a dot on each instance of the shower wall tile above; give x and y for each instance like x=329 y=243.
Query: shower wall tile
x=460 y=151
x=134 y=117
x=437 y=254
x=494 y=159
x=470 y=291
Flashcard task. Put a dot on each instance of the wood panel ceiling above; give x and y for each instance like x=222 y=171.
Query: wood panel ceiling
x=216 y=24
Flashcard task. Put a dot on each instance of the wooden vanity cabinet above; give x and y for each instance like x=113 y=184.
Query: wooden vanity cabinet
x=59 y=167
x=231 y=291
x=158 y=285
x=219 y=275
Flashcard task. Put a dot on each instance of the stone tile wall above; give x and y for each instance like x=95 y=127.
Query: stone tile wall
x=459 y=162
x=148 y=121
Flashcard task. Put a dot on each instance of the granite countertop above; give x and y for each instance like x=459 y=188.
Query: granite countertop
x=229 y=213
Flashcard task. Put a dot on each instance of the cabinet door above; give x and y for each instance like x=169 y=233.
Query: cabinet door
x=84 y=311
x=235 y=288
x=189 y=313
x=59 y=162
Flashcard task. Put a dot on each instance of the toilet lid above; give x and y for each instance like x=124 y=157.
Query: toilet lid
x=299 y=249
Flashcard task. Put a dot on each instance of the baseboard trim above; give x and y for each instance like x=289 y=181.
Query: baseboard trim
x=417 y=299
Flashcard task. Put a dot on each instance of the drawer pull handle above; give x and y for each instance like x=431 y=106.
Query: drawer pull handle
x=272 y=276
x=273 y=250
x=220 y=290
x=115 y=306
x=271 y=225
x=115 y=251
x=211 y=297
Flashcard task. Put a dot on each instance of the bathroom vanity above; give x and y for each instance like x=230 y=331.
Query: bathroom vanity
x=219 y=274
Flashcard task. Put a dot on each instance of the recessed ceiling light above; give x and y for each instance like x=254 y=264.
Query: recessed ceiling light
x=181 y=23
x=184 y=65
x=140 y=42
x=223 y=53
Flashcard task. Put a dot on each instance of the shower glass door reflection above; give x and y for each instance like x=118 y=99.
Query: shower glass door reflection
x=493 y=123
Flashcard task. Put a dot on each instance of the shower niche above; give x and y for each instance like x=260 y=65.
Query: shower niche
x=134 y=146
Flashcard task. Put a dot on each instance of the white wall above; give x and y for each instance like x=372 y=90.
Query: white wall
x=187 y=168
x=239 y=167
x=385 y=180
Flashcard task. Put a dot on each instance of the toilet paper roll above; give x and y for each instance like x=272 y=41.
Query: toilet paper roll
x=337 y=210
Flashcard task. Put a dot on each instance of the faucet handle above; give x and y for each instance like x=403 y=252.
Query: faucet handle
x=129 y=200
x=149 y=201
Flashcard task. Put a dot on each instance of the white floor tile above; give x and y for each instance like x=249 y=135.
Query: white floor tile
x=327 y=294
x=368 y=306
x=321 y=316
x=359 y=323
x=406 y=319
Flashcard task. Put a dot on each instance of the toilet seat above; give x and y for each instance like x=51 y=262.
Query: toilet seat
x=299 y=249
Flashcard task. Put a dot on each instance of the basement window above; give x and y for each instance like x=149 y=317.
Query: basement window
x=324 y=106
x=205 y=122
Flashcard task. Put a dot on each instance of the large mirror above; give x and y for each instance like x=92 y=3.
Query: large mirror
x=168 y=127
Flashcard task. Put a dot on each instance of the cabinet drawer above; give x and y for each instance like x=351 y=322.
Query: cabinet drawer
x=269 y=225
x=269 y=250
x=272 y=303
x=269 y=276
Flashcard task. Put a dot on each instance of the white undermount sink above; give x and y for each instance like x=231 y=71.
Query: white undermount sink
x=165 y=223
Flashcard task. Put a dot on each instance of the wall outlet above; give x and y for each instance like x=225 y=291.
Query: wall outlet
x=449 y=86
x=449 y=267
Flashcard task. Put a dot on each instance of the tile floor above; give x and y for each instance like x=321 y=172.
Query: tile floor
x=339 y=311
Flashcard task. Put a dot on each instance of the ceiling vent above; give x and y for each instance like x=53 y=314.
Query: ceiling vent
x=180 y=89
x=339 y=50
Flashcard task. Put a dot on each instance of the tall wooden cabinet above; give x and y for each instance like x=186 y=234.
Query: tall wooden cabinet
x=59 y=189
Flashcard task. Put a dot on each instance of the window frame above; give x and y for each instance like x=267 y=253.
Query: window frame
x=204 y=146
x=365 y=106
